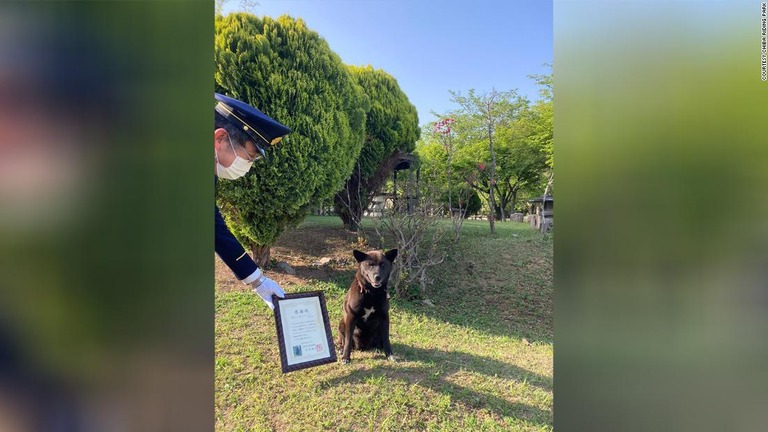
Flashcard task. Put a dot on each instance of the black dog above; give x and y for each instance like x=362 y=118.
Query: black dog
x=366 y=306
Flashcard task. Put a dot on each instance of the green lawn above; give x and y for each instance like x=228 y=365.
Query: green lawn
x=480 y=359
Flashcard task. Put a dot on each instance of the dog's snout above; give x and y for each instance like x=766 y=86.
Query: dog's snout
x=377 y=278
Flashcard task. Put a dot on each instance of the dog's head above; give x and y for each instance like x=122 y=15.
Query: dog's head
x=375 y=266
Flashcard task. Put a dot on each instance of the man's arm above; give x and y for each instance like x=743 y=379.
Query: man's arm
x=232 y=253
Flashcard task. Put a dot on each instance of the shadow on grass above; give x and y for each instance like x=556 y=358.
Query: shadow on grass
x=485 y=317
x=440 y=364
x=453 y=361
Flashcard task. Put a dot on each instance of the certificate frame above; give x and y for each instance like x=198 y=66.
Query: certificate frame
x=282 y=308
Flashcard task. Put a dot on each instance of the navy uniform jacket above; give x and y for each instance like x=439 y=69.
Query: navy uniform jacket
x=231 y=251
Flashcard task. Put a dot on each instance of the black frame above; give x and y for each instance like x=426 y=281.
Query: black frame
x=281 y=338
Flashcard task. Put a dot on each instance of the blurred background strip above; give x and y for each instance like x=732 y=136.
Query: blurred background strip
x=661 y=269
x=106 y=234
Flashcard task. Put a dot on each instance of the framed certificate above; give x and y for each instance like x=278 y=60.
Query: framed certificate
x=303 y=331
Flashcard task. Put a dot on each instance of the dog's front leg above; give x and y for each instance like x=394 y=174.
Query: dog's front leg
x=385 y=338
x=349 y=329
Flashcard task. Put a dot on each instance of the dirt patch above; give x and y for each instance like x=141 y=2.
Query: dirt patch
x=315 y=242
x=302 y=248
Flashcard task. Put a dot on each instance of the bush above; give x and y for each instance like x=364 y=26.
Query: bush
x=417 y=236
x=287 y=71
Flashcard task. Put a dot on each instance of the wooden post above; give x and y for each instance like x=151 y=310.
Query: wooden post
x=394 y=195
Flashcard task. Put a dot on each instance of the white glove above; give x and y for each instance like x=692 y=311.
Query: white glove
x=265 y=287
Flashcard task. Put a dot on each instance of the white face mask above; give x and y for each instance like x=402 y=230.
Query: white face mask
x=238 y=168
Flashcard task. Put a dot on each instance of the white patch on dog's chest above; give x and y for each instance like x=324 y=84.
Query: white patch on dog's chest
x=368 y=312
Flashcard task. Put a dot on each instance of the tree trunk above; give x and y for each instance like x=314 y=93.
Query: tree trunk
x=351 y=202
x=549 y=183
x=514 y=201
x=544 y=199
x=409 y=192
x=502 y=204
x=394 y=193
x=348 y=202
x=491 y=200
x=489 y=103
x=349 y=213
x=260 y=255
x=500 y=214
x=450 y=187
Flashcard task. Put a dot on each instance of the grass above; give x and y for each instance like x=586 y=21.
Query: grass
x=480 y=359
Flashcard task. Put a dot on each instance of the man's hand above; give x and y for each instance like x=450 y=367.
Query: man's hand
x=265 y=287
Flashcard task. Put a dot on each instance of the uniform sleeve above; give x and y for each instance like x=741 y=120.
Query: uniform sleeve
x=232 y=253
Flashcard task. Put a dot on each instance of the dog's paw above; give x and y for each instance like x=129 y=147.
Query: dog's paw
x=392 y=358
x=344 y=361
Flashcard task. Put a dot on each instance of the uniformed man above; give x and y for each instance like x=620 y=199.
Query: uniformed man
x=241 y=134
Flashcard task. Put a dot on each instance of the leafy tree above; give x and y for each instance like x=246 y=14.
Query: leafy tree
x=391 y=129
x=478 y=119
x=465 y=198
x=543 y=110
x=243 y=6
x=521 y=161
x=289 y=72
x=434 y=155
x=522 y=148
x=433 y=159
x=522 y=156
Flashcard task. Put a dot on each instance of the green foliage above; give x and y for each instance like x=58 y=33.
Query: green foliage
x=434 y=158
x=522 y=143
x=458 y=370
x=392 y=122
x=289 y=72
x=543 y=110
x=391 y=128
x=546 y=82
x=479 y=120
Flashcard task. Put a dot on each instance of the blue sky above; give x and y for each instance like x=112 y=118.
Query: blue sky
x=431 y=47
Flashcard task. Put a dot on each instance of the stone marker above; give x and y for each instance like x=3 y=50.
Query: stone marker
x=286 y=268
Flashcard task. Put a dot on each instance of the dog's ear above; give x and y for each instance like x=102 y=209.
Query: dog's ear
x=391 y=255
x=359 y=256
